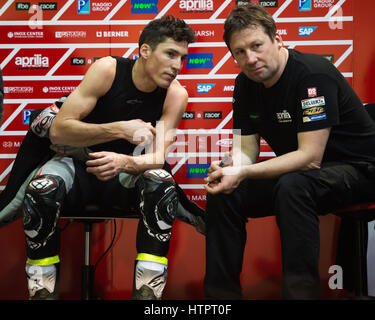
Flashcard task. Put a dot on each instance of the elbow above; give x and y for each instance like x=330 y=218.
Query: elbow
x=53 y=135
x=313 y=164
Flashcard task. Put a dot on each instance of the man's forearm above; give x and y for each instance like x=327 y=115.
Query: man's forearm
x=80 y=134
x=275 y=167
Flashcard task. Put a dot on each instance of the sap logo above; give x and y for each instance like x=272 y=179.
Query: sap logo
x=304 y=5
x=199 y=170
x=144 y=6
x=83 y=6
x=306 y=31
x=26 y=115
x=199 y=61
x=204 y=87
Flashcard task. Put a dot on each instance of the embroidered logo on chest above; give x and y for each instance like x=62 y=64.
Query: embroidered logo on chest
x=283 y=117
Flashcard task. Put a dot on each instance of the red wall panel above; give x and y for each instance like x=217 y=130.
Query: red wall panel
x=68 y=42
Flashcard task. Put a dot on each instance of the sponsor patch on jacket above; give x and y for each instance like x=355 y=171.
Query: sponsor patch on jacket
x=313 y=102
x=315 y=117
x=313 y=111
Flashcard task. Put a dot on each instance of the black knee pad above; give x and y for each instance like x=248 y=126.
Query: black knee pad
x=158 y=202
x=41 y=209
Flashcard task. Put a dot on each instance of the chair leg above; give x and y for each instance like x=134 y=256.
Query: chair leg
x=87 y=290
x=361 y=287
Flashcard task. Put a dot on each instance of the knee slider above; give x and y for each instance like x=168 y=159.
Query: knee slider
x=158 y=200
x=41 y=207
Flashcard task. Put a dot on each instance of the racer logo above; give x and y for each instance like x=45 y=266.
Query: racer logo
x=35 y=62
x=144 y=6
x=212 y=115
x=83 y=6
x=304 y=5
x=305 y=31
x=204 y=87
x=48 y=6
x=199 y=170
x=199 y=61
x=196 y=5
x=269 y=4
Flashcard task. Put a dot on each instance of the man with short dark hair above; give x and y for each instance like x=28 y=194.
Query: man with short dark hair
x=121 y=118
x=324 y=142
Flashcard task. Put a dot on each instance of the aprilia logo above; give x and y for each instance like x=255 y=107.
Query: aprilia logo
x=197 y=5
x=37 y=61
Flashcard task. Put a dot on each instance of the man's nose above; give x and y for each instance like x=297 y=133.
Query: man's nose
x=177 y=64
x=252 y=57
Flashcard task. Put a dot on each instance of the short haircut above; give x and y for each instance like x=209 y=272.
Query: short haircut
x=246 y=16
x=158 y=30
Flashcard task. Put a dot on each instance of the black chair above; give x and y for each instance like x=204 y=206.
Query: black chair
x=360 y=215
x=90 y=215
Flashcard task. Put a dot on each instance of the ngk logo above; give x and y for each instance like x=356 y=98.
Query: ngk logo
x=37 y=61
x=197 y=5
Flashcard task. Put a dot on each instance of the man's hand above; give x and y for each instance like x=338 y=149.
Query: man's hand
x=107 y=165
x=223 y=177
x=223 y=180
x=139 y=132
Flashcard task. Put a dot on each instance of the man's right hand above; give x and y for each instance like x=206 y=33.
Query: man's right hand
x=139 y=132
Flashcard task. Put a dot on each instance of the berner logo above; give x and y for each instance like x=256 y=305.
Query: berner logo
x=212 y=115
x=199 y=61
x=144 y=6
x=75 y=61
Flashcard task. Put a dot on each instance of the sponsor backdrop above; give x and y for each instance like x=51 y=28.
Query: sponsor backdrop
x=46 y=48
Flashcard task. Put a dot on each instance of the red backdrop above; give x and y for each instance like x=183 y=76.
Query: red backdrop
x=42 y=62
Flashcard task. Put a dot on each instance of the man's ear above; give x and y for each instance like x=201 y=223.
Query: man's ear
x=145 y=51
x=279 y=40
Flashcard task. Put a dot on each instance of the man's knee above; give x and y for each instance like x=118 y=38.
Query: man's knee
x=41 y=208
x=158 y=202
x=291 y=185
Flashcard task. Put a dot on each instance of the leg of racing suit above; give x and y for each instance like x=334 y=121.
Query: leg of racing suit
x=42 y=205
x=158 y=204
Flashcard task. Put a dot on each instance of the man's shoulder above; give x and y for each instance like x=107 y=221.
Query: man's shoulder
x=310 y=63
x=177 y=89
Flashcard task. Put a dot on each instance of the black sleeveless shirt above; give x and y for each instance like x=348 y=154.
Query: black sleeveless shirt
x=124 y=101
